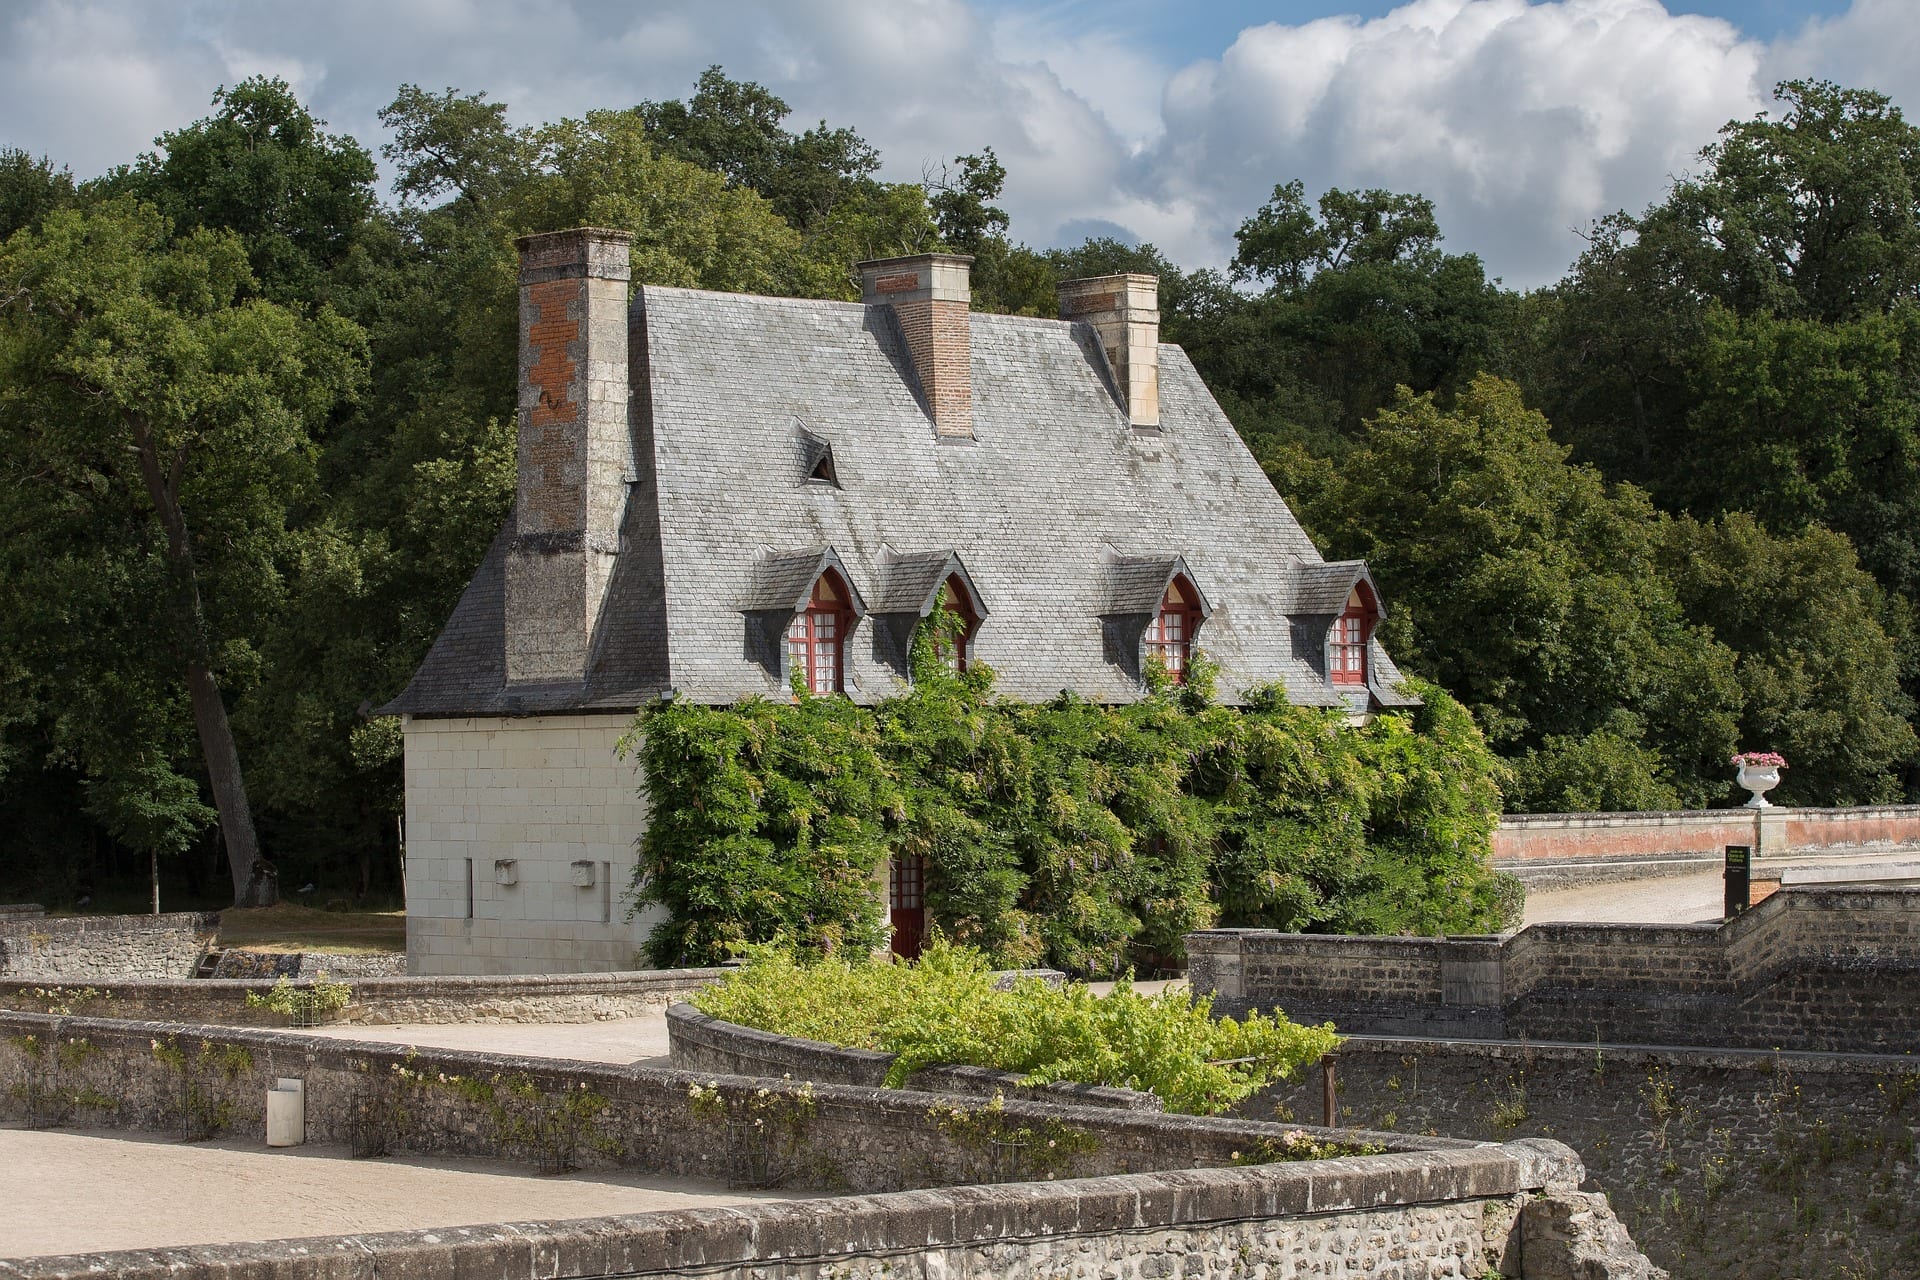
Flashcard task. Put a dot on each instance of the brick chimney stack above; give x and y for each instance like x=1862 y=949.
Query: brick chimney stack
x=1124 y=311
x=574 y=449
x=930 y=294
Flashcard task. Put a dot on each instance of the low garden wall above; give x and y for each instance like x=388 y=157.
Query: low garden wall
x=698 y=1042
x=1556 y=849
x=50 y=948
x=1724 y=1164
x=565 y=997
x=1809 y=968
x=1150 y=1195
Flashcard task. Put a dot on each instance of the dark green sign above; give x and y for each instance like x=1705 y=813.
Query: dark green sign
x=1739 y=879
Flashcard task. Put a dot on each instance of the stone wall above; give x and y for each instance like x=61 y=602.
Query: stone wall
x=60 y=948
x=1809 y=968
x=1556 y=849
x=1130 y=1194
x=698 y=1042
x=1724 y=1164
x=174 y=1077
x=542 y=802
x=1332 y=1220
x=596 y=997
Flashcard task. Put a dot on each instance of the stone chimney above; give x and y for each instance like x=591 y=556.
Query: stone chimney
x=1124 y=311
x=930 y=294
x=574 y=450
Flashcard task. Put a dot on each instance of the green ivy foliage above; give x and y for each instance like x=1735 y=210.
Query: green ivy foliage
x=947 y=1007
x=1089 y=837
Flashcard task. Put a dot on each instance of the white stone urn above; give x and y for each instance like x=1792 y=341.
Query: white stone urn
x=1759 y=779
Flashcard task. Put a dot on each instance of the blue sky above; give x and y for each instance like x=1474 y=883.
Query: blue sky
x=1524 y=120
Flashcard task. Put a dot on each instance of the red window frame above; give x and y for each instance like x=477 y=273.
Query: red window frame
x=955 y=599
x=817 y=636
x=1170 y=634
x=1348 y=639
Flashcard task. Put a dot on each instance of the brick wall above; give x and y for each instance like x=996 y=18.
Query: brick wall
x=1809 y=968
x=1549 y=848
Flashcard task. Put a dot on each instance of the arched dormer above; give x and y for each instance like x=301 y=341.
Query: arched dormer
x=1350 y=636
x=1170 y=635
x=1154 y=610
x=817 y=636
x=800 y=614
x=956 y=598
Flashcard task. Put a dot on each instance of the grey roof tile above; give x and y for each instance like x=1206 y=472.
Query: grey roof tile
x=1059 y=510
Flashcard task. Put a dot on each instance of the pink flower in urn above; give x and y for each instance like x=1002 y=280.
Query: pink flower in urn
x=1759 y=760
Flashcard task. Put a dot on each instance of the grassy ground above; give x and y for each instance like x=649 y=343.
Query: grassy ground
x=288 y=927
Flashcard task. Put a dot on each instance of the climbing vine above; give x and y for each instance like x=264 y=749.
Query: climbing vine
x=1089 y=837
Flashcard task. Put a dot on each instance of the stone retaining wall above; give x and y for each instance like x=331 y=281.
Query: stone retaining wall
x=1809 y=968
x=1558 y=849
x=168 y=1077
x=1724 y=1164
x=61 y=948
x=1134 y=1194
x=566 y=997
x=698 y=1042
x=1452 y=1216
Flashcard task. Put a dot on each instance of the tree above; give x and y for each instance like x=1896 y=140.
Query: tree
x=30 y=189
x=1532 y=591
x=1817 y=668
x=143 y=378
x=262 y=167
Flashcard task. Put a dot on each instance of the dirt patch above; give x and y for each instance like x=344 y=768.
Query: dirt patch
x=288 y=926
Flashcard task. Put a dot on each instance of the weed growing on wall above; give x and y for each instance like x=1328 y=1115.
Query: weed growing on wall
x=1004 y=1148
x=206 y=1107
x=947 y=1008
x=1091 y=837
x=307 y=1004
x=765 y=1132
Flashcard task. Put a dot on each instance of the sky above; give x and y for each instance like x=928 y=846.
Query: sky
x=1147 y=119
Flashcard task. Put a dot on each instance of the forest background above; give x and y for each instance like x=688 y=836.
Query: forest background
x=256 y=429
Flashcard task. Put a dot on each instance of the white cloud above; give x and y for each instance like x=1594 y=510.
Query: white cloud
x=1875 y=44
x=1523 y=121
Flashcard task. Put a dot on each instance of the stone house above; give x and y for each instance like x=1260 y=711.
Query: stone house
x=719 y=491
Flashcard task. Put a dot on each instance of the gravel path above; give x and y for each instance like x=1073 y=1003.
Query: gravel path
x=83 y=1192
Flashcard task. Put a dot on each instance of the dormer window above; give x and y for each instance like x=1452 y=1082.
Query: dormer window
x=815 y=639
x=1170 y=635
x=955 y=646
x=1347 y=640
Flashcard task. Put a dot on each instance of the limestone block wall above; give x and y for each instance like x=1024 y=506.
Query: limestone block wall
x=62 y=949
x=542 y=802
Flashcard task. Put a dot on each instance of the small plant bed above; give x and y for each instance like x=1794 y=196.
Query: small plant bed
x=945 y=1008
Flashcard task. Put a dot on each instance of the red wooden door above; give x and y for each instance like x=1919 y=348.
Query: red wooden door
x=907 y=905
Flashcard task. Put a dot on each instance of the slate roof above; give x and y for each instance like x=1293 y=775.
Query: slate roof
x=1059 y=512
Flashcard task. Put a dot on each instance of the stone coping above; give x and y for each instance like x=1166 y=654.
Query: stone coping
x=698 y=1041
x=1612 y=817
x=780 y=1237
x=71 y=926
x=1798 y=1061
x=375 y=1001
